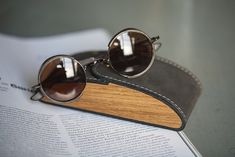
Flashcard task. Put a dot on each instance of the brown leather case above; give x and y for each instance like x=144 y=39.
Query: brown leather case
x=164 y=96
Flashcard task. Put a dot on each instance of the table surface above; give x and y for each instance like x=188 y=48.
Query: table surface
x=196 y=34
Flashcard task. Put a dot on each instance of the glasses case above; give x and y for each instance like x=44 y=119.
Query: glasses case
x=164 y=96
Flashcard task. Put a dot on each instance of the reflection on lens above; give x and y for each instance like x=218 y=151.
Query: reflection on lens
x=62 y=78
x=130 y=53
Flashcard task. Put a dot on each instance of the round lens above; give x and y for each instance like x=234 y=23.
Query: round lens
x=62 y=78
x=130 y=53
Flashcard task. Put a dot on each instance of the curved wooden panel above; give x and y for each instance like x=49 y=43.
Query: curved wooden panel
x=126 y=103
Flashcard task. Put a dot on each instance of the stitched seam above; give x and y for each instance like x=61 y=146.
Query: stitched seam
x=172 y=102
x=180 y=68
x=88 y=78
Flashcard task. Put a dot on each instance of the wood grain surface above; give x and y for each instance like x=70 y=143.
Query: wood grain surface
x=120 y=101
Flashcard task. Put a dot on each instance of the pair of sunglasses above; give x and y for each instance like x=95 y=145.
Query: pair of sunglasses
x=62 y=78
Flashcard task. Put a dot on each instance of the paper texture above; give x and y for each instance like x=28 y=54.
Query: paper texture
x=34 y=129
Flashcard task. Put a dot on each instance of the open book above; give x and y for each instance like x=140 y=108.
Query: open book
x=35 y=129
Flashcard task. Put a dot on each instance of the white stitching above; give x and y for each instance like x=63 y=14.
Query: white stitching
x=165 y=61
x=172 y=102
x=88 y=78
x=180 y=68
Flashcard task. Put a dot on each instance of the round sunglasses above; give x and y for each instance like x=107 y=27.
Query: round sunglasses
x=62 y=78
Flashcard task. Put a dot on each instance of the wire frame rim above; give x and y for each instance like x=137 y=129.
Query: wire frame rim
x=152 y=51
x=47 y=61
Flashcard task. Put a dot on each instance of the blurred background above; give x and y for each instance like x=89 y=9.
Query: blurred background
x=198 y=34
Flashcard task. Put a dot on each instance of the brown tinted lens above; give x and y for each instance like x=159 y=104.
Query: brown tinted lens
x=130 y=53
x=62 y=78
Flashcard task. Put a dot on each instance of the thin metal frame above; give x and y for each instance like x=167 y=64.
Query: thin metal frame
x=151 y=40
x=38 y=87
x=39 y=92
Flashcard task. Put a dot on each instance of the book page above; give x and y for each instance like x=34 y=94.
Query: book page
x=35 y=129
